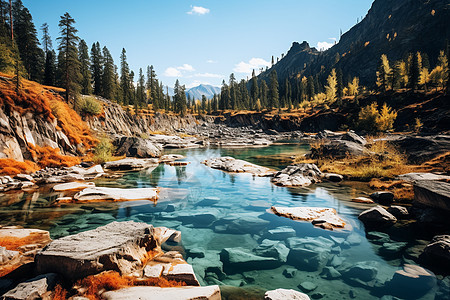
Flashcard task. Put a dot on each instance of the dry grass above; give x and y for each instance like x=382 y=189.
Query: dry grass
x=14 y=243
x=111 y=280
x=403 y=191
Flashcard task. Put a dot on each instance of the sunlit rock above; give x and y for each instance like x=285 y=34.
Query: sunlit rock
x=323 y=217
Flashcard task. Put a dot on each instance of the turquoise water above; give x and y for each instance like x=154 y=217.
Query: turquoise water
x=216 y=210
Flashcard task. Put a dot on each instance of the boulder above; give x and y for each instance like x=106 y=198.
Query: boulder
x=128 y=164
x=362 y=200
x=72 y=186
x=157 y=293
x=377 y=217
x=352 y=137
x=393 y=249
x=235 y=259
x=24 y=177
x=437 y=252
x=435 y=194
x=39 y=287
x=411 y=283
x=400 y=212
x=307 y=286
x=330 y=273
x=383 y=198
x=230 y=164
x=118 y=246
x=413 y=177
x=170 y=158
x=283 y=294
x=377 y=237
x=333 y=177
x=116 y=194
x=338 y=149
x=364 y=271
x=136 y=147
x=298 y=175
x=326 y=218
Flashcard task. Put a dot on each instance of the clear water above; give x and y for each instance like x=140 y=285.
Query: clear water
x=216 y=210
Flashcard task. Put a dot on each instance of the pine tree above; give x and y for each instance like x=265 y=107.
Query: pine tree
x=46 y=39
x=264 y=93
x=83 y=57
x=254 y=90
x=331 y=88
x=384 y=74
x=125 y=81
x=225 y=96
x=233 y=92
x=50 y=68
x=180 y=99
x=203 y=110
x=69 y=66
x=353 y=87
x=109 y=83
x=340 y=85
x=97 y=68
x=140 y=91
x=310 y=90
x=415 y=70
x=273 y=90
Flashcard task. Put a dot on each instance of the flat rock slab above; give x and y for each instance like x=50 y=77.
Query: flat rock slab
x=241 y=259
x=116 y=194
x=377 y=217
x=326 y=218
x=128 y=164
x=230 y=164
x=283 y=294
x=434 y=194
x=157 y=293
x=118 y=246
x=174 y=267
x=72 y=186
x=412 y=177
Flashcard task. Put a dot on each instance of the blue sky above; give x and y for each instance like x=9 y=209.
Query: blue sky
x=201 y=41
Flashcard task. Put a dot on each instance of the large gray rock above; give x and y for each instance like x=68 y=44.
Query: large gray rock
x=36 y=288
x=137 y=147
x=411 y=283
x=338 y=149
x=283 y=294
x=235 y=259
x=157 y=293
x=377 y=217
x=119 y=246
x=437 y=252
x=412 y=177
x=230 y=164
x=298 y=175
x=435 y=194
x=128 y=164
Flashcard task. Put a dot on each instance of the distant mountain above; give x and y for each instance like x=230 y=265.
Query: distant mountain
x=394 y=28
x=203 y=89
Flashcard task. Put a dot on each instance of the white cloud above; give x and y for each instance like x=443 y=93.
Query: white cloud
x=186 y=67
x=208 y=75
x=172 y=72
x=253 y=64
x=198 y=10
x=326 y=45
x=210 y=61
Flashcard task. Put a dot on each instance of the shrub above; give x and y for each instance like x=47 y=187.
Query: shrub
x=10 y=166
x=90 y=106
x=373 y=120
x=385 y=119
x=103 y=152
x=52 y=157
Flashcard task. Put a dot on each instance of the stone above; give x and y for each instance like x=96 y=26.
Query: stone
x=281 y=233
x=116 y=194
x=289 y=272
x=437 y=252
x=434 y=194
x=298 y=175
x=6 y=256
x=393 y=249
x=309 y=253
x=235 y=259
x=411 y=283
x=400 y=212
x=378 y=237
x=153 y=271
x=136 y=147
x=307 y=286
x=362 y=200
x=333 y=177
x=275 y=249
x=71 y=186
x=196 y=253
x=24 y=177
x=318 y=215
x=35 y=288
x=330 y=273
x=365 y=271
x=170 y=158
x=119 y=246
x=384 y=198
x=244 y=222
x=164 y=234
x=157 y=293
x=377 y=217
x=283 y=294
x=174 y=268
x=353 y=239
x=230 y=164
x=128 y=164
x=338 y=149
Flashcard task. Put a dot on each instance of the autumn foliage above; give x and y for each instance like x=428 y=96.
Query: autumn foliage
x=10 y=166
x=52 y=157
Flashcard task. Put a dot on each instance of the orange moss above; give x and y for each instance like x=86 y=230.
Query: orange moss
x=111 y=280
x=14 y=243
x=10 y=166
x=52 y=157
x=60 y=293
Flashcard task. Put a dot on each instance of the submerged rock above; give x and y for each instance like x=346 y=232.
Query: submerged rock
x=298 y=175
x=275 y=249
x=281 y=233
x=283 y=294
x=116 y=194
x=377 y=217
x=309 y=253
x=121 y=246
x=157 y=293
x=326 y=218
x=233 y=165
x=364 y=271
x=128 y=164
x=235 y=259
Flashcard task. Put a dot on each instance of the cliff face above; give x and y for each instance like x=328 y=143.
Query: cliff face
x=394 y=28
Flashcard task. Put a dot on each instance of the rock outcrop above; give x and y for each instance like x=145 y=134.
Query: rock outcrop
x=433 y=194
x=298 y=175
x=136 y=147
x=130 y=164
x=437 y=252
